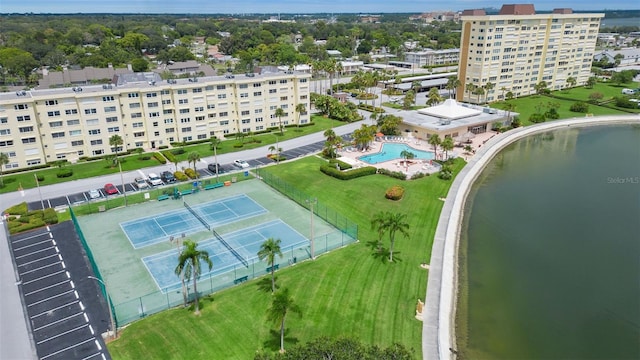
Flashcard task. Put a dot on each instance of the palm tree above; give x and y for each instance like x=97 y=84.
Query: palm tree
x=282 y=304
x=193 y=157
x=488 y=87
x=571 y=81
x=279 y=114
x=434 y=140
x=407 y=155
x=4 y=160
x=330 y=143
x=471 y=87
x=396 y=223
x=189 y=264
x=116 y=142
x=503 y=89
x=268 y=250
x=433 y=98
x=379 y=224
x=301 y=108
x=452 y=84
x=447 y=145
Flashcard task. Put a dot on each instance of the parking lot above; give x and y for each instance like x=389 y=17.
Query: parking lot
x=65 y=308
x=100 y=194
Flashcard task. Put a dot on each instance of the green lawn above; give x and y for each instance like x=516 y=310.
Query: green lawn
x=352 y=291
x=88 y=169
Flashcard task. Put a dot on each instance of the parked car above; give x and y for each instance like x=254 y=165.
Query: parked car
x=167 y=177
x=215 y=168
x=141 y=183
x=241 y=164
x=154 y=179
x=94 y=194
x=110 y=189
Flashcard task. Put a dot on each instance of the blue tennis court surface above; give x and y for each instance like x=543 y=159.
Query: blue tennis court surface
x=245 y=242
x=158 y=228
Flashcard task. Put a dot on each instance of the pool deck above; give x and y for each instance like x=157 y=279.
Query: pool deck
x=415 y=165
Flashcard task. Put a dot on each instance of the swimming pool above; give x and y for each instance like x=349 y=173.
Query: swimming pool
x=391 y=151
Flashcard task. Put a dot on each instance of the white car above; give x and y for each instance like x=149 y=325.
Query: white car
x=141 y=183
x=241 y=164
x=155 y=180
x=94 y=194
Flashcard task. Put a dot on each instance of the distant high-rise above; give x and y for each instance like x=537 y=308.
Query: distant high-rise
x=517 y=49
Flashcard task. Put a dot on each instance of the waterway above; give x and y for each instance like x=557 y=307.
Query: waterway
x=550 y=250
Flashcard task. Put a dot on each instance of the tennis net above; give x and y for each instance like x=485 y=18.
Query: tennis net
x=197 y=216
x=233 y=251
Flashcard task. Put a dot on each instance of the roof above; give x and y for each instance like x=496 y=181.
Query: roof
x=450 y=110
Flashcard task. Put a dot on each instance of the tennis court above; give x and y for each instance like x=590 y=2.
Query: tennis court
x=158 y=228
x=245 y=243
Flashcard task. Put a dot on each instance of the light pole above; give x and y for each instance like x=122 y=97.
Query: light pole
x=124 y=191
x=312 y=202
x=106 y=293
x=39 y=191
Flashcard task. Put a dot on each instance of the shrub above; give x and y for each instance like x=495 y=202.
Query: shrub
x=580 y=107
x=394 y=174
x=19 y=209
x=347 y=175
x=49 y=216
x=191 y=173
x=144 y=157
x=170 y=156
x=343 y=165
x=180 y=176
x=238 y=145
x=65 y=172
x=537 y=118
x=161 y=159
x=162 y=147
x=445 y=173
x=395 y=192
x=418 y=175
x=40 y=177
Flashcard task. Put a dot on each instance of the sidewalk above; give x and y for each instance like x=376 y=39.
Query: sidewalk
x=15 y=338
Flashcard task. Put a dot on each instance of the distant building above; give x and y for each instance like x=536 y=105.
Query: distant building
x=630 y=56
x=517 y=49
x=431 y=57
x=437 y=16
x=85 y=76
x=190 y=67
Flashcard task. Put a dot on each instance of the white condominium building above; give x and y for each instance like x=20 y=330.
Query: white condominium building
x=517 y=49
x=42 y=126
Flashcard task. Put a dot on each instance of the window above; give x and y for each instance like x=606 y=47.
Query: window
x=272 y=82
x=167 y=111
x=6 y=143
x=111 y=119
x=54 y=124
x=90 y=111
x=283 y=98
x=114 y=129
x=97 y=152
x=246 y=121
x=24 y=118
x=259 y=119
x=150 y=95
x=94 y=132
x=211 y=106
x=56 y=135
x=26 y=129
x=183 y=101
x=155 y=124
x=134 y=105
x=182 y=91
x=33 y=162
x=164 y=92
x=53 y=113
x=136 y=115
x=51 y=102
x=222 y=96
x=92 y=122
x=96 y=142
x=170 y=130
x=244 y=95
x=184 y=111
x=221 y=87
x=137 y=124
x=197 y=90
x=168 y=121
x=273 y=91
x=108 y=98
x=109 y=109
x=186 y=129
x=30 y=140
x=284 y=81
x=224 y=113
x=154 y=114
x=138 y=134
x=166 y=102
x=245 y=112
x=243 y=86
x=133 y=95
x=77 y=143
x=224 y=122
x=303 y=80
x=75 y=133
x=257 y=93
x=71 y=112
x=21 y=106
x=4 y=132
x=185 y=120
x=199 y=118
x=257 y=111
x=202 y=136
x=199 y=109
x=152 y=104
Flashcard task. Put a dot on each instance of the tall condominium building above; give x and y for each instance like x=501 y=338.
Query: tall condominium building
x=41 y=126
x=517 y=49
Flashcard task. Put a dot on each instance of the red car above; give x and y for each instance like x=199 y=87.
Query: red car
x=110 y=189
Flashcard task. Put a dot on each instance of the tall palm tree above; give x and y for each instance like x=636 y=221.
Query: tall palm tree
x=268 y=250
x=488 y=87
x=447 y=145
x=503 y=90
x=434 y=140
x=471 y=87
x=116 y=142
x=190 y=263
x=396 y=223
x=452 y=85
x=330 y=142
x=4 y=160
x=379 y=224
x=281 y=305
x=279 y=114
x=433 y=98
x=301 y=108
x=193 y=157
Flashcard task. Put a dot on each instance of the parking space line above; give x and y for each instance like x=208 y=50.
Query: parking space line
x=67 y=348
x=41 y=268
x=94 y=355
x=34 y=244
x=30 y=237
x=42 y=258
x=61 y=334
x=32 y=253
x=52 y=297
x=44 y=277
x=58 y=321
x=48 y=287
x=55 y=308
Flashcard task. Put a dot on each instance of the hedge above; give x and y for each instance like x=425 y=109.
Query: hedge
x=394 y=174
x=347 y=175
x=343 y=165
x=161 y=159
x=395 y=192
x=191 y=173
x=180 y=176
x=169 y=155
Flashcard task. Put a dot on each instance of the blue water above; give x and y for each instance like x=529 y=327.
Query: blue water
x=391 y=151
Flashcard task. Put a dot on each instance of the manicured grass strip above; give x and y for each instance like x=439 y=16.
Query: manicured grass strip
x=352 y=291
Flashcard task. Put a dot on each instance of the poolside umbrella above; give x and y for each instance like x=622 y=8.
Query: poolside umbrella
x=466 y=137
x=379 y=134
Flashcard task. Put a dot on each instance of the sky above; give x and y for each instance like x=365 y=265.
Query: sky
x=289 y=6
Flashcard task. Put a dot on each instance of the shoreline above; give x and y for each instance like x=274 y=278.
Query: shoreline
x=438 y=331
